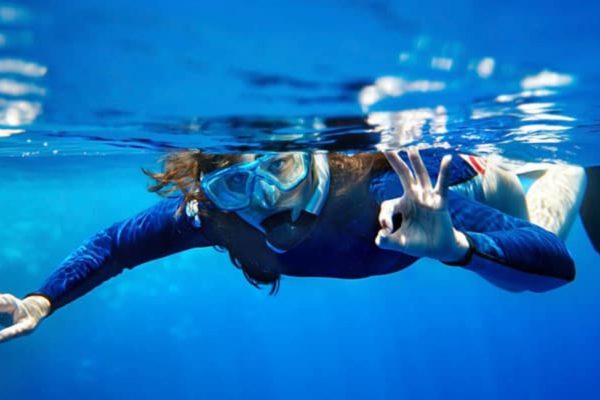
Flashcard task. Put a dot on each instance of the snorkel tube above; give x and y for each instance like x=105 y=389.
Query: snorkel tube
x=284 y=231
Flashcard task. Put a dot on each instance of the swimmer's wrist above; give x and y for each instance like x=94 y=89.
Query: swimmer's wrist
x=462 y=253
x=39 y=307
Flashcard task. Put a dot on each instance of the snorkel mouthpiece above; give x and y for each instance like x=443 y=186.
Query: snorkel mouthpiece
x=283 y=234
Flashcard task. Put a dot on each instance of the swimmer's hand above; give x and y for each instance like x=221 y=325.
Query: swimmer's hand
x=426 y=228
x=26 y=314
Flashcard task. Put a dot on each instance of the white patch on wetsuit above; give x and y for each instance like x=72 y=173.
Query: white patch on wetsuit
x=191 y=210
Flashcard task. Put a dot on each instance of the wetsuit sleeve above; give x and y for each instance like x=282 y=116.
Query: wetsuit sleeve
x=151 y=234
x=509 y=241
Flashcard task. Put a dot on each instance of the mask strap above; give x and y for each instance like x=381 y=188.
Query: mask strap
x=319 y=197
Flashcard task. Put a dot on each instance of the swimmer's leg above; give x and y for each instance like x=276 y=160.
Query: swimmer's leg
x=494 y=186
x=553 y=200
x=503 y=190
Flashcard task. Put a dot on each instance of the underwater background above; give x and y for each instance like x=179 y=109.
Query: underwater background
x=91 y=91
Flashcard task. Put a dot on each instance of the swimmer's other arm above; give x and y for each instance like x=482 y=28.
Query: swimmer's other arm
x=151 y=234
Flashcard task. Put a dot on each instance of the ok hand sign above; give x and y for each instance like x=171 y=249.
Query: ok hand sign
x=426 y=229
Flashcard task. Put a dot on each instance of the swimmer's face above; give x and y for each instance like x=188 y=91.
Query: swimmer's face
x=261 y=185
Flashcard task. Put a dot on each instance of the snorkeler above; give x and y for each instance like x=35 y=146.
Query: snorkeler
x=317 y=215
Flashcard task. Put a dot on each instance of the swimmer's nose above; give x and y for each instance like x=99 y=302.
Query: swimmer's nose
x=265 y=194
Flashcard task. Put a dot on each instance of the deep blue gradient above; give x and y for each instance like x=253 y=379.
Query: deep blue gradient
x=125 y=82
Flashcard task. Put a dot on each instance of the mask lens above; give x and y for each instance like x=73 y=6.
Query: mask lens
x=285 y=171
x=228 y=191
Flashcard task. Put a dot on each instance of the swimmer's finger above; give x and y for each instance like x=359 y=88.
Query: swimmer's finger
x=386 y=215
x=406 y=178
x=17 y=329
x=441 y=186
x=420 y=170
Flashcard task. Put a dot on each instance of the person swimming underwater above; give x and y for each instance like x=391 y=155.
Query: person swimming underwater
x=317 y=215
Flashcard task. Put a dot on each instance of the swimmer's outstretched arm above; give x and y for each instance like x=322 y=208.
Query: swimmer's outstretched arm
x=151 y=234
x=458 y=231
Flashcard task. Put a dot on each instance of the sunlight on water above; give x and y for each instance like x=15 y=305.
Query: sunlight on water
x=22 y=67
x=20 y=88
x=439 y=94
x=546 y=79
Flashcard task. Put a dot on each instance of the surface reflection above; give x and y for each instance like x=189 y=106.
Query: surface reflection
x=22 y=67
x=21 y=88
x=545 y=79
x=18 y=113
x=392 y=86
x=405 y=127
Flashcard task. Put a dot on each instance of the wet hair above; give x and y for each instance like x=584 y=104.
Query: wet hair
x=182 y=171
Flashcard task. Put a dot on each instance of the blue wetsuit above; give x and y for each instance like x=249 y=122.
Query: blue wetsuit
x=499 y=241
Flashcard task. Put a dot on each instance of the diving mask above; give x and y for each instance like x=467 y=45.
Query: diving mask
x=232 y=188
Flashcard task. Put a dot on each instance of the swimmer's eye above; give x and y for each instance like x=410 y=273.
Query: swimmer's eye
x=236 y=183
x=278 y=166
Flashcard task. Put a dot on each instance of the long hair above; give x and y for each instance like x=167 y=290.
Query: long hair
x=183 y=170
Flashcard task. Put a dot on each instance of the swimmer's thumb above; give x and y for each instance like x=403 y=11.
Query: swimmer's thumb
x=387 y=240
x=382 y=239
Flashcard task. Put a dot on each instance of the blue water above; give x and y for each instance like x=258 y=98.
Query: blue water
x=92 y=91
